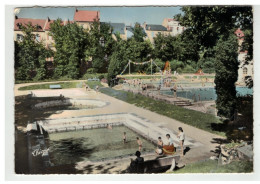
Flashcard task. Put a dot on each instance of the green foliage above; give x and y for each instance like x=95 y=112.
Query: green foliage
x=188 y=69
x=209 y=23
x=64 y=85
x=93 y=84
x=119 y=60
x=30 y=56
x=138 y=33
x=101 y=46
x=182 y=47
x=70 y=43
x=94 y=75
x=226 y=66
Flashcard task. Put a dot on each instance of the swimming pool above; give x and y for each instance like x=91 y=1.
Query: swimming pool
x=206 y=94
x=94 y=145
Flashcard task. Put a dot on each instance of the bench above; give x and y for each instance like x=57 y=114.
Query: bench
x=55 y=86
x=155 y=165
x=94 y=79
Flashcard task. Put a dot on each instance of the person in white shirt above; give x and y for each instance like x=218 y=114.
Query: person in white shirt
x=181 y=137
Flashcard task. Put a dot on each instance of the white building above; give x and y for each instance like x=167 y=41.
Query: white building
x=173 y=26
x=245 y=68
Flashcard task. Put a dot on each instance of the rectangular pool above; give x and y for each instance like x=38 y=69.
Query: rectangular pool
x=94 y=145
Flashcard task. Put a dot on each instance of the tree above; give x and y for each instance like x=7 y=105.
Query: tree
x=70 y=42
x=30 y=55
x=119 y=60
x=212 y=25
x=101 y=46
x=226 y=66
x=138 y=33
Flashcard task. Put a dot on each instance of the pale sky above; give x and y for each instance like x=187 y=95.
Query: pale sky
x=127 y=15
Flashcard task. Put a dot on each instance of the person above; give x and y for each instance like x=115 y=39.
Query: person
x=175 y=90
x=97 y=88
x=124 y=137
x=135 y=166
x=181 y=137
x=159 y=149
x=109 y=126
x=169 y=149
x=139 y=142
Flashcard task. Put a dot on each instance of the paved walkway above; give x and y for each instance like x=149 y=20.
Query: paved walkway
x=209 y=145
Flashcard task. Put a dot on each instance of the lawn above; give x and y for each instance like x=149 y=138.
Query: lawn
x=211 y=166
x=196 y=119
x=64 y=85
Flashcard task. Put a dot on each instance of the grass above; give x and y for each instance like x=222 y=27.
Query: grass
x=194 y=118
x=211 y=166
x=93 y=84
x=64 y=85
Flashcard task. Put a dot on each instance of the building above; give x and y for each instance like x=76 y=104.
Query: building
x=245 y=68
x=85 y=18
x=118 y=28
x=81 y=17
x=152 y=30
x=173 y=26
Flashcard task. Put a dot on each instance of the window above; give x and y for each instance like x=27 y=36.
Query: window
x=19 y=37
x=37 y=37
x=245 y=71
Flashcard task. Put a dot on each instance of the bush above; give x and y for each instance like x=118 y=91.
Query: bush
x=94 y=75
x=91 y=70
x=188 y=69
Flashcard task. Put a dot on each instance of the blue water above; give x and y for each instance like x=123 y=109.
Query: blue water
x=206 y=94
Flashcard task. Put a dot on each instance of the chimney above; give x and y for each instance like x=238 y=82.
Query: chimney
x=144 y=24
x=76 y=10
x=16 y=17
x=48 y=19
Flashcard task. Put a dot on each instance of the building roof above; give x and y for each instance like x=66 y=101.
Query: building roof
x=49 y=22
x=24 y=21
x=154 y=27
x=117 y=27
x=86 y=16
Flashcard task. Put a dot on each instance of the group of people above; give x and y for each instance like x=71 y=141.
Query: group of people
x=139 y=142
x=163 y=148
x=168 y=148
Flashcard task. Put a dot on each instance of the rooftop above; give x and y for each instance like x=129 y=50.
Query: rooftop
x=86 y=16
x=117 y=27
x=154 y=27
x=24 y=21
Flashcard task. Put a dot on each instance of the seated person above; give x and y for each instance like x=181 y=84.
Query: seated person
x=169 y=149
x=135 y=166
x=159 y=149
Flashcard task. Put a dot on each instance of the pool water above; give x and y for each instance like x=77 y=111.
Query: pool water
x=206 y=94
x=94 y=145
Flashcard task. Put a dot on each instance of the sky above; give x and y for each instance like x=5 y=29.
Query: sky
x=127 y=15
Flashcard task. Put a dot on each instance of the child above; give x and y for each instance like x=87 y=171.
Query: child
x=124 y=137
x=139 y=142
x=181 y=137
x=159 y=149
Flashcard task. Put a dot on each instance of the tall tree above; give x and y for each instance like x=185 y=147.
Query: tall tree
x=30 y=55
x=101 y=46
x=226 y=75
x=70 y=43
x=212 y=25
